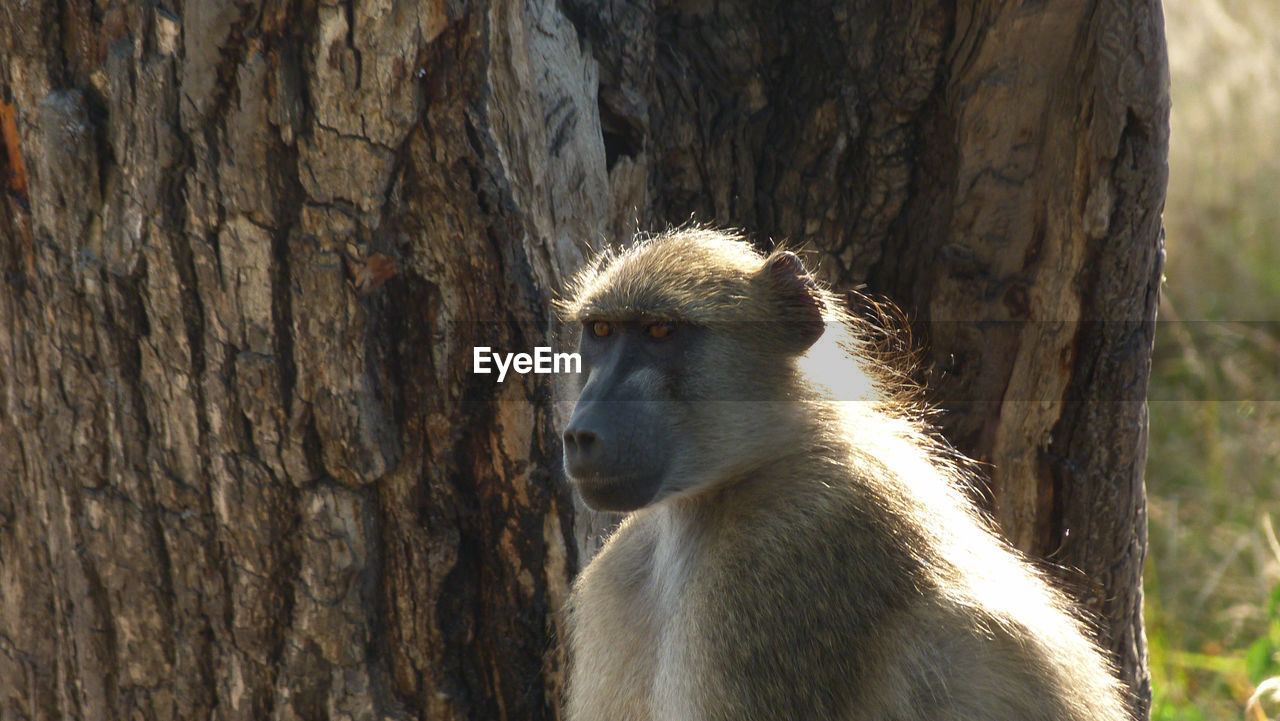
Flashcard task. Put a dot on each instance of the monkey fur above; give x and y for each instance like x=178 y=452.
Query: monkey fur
x=796 y=546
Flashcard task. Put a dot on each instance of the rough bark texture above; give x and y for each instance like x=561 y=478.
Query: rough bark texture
x=248 y=247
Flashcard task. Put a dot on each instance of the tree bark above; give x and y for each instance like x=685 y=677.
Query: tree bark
x=248 y=248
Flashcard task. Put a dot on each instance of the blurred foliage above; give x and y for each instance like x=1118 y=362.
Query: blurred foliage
x=1213 y=469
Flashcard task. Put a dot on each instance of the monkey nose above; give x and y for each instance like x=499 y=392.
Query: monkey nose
x=581 y=447
x=580 y=441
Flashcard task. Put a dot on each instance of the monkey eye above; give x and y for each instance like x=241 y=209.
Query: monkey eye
x=601 y=328
x=659 y=330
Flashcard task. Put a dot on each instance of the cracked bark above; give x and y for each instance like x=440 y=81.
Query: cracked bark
x=248 y=247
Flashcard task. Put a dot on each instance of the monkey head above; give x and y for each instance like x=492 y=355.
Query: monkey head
x=689 y=343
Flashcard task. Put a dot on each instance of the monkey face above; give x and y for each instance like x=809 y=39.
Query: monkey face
x=618 y=443
x=667 y=408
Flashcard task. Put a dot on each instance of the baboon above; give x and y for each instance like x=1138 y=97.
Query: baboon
x=797 y=547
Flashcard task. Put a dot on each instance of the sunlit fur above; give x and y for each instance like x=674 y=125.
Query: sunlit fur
x=822 y=562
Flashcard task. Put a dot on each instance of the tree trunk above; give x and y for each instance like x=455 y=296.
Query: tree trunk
x=248 y=248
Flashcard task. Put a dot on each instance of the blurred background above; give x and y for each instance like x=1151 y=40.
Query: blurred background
x=1213 y=469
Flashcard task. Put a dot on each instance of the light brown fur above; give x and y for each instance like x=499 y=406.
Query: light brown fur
x=831 y=568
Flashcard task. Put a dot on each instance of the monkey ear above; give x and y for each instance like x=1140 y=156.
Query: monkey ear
x=801 y=308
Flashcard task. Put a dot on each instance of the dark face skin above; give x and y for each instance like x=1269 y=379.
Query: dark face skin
x=626 y=418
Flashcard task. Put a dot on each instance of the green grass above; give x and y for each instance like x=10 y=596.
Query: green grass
x=1213 y=470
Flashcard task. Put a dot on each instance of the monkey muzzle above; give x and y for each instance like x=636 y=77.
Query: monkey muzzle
x=613 y=454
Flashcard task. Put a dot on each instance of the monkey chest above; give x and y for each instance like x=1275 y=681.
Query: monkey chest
x=636 y=639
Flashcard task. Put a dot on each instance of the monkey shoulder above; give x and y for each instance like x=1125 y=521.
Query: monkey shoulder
x=848 y=595
x=612 y=630
x=791 y=605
